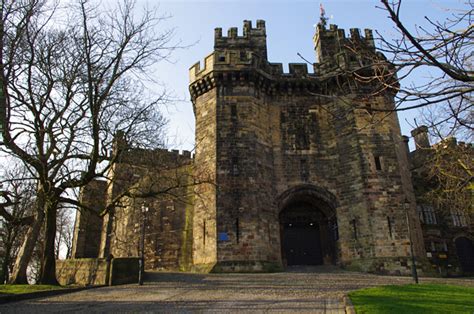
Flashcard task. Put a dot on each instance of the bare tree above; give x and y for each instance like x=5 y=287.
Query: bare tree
x=16 y=214
x=444 y=50
x=71 y=77
x=444 y=179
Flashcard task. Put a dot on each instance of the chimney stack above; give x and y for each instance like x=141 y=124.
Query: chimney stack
x=420 y=134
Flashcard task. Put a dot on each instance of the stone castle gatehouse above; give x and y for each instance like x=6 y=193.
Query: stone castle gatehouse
x=304 y=169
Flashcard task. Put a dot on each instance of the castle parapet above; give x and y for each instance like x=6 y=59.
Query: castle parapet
x=244 y=56
x=331 y=43
x=248 y=32
x=195 y=72
x=298 y=69
x=252 y=39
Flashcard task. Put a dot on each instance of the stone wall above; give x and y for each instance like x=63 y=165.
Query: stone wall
x=166 y=215
x=204 y=221
x=88 y=223
x=268 y=142
x=159 y=179
x=97 y=271
x=82 y=271
x=263 y=132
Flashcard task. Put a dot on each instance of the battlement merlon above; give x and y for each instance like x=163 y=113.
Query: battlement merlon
x=196 y=72
x=330 y=42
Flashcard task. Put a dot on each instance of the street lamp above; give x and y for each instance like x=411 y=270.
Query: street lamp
x=141 y=261
x=414 y=273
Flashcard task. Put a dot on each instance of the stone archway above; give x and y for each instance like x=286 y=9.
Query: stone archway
x=308 y=226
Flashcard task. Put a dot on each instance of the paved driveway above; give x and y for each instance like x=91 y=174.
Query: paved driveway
x=299 y=290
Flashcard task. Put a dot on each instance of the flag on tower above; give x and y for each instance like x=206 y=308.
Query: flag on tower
x=322 y=18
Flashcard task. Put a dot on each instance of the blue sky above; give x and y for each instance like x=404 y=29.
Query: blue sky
x=290 y=28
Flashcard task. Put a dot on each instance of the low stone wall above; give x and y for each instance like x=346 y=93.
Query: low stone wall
x=82 y=271
x=97 y=271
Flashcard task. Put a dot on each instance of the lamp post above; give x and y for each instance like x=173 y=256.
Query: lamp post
x=414 y=273
x=141 y=261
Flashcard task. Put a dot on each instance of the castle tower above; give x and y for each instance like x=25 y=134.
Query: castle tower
x=306 y=169
x=231 y=221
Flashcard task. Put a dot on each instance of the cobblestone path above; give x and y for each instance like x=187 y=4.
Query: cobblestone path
x=311 y=290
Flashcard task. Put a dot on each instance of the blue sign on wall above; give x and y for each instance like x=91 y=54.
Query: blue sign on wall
x=223 y=236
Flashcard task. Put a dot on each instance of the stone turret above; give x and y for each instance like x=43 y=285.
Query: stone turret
x=253 y=40
x=331 y=43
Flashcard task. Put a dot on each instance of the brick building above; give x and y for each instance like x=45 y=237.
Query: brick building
x=305 y=168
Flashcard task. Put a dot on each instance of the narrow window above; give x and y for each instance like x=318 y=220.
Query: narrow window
x=221 y=58
x=429 y=216
x=269 y=232
x=419 y=210
x=459 y=219
x=204 y=233
x=354 y=228
x=389 y=222
x=233 y=111
x=282 y=117
x=304 y=171
x=235 y=166
x=378 y=164
x=302 y=139
x=237 y=231
x=243 y=56
x=161 y=220
x=335 y=230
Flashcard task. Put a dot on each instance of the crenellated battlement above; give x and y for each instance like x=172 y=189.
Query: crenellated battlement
x=330 y=42
x=152 y=158
x=196 y=71
x=338 y=34
x=248 y=32
x=230 y=60
x=252 y=39
x=242 y=57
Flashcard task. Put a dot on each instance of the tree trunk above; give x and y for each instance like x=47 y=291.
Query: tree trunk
x=26 y=250
x=6 y=261
x=48 y=269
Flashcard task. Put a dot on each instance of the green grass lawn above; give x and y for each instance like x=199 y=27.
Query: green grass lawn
x=17 y=289
x=423 y=298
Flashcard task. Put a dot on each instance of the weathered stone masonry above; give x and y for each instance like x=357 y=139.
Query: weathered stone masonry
x=264 y=133
x=304 y=170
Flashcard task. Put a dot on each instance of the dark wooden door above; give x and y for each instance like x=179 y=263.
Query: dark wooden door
x=465 y=250
x=302 y=244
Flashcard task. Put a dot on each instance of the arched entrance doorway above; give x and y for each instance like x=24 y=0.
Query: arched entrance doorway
x=308 y=226
x=465 y=251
